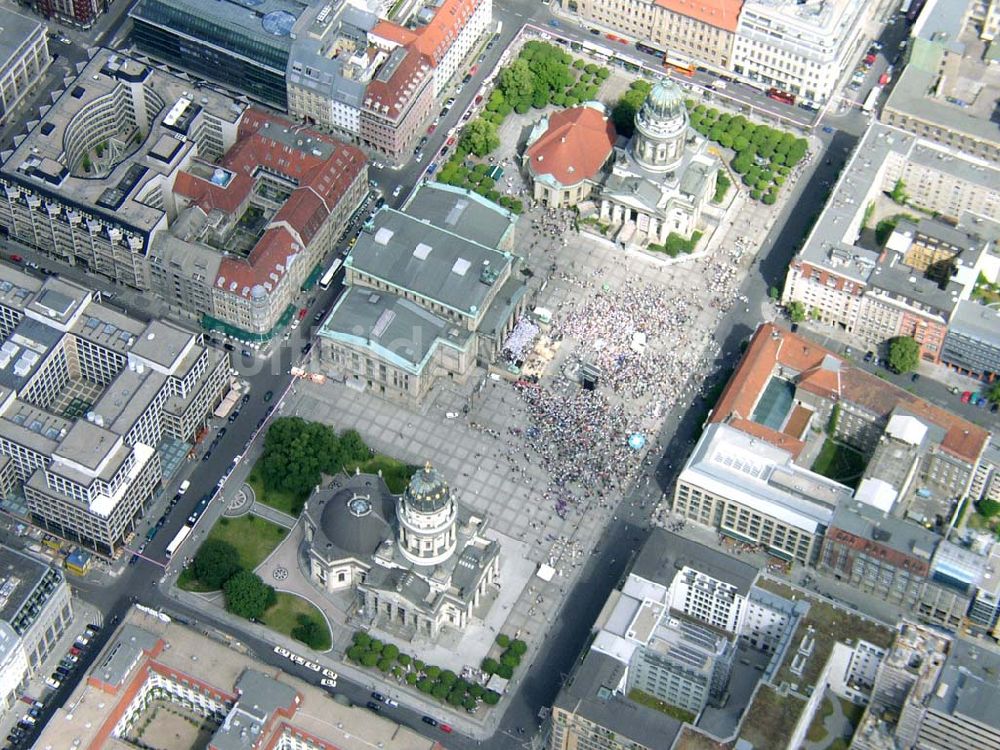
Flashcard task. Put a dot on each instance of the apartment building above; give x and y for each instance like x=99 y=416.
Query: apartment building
x=221 y=210
x=972 y=343
x=913 y=284
x=80 y=13
x=701 y=33
x=88 y=467
x=433 y=290
x=800 y=48
x=445 y=34
x=948 y=89
x=35 y=610
x=396 y=105
x=24 y=59
x=152 y=662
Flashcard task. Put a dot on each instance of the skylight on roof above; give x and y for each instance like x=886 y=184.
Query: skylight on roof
x=384 y=319
x=421 y=251
x=383 y=235
x=461 y=266
x=456 y=212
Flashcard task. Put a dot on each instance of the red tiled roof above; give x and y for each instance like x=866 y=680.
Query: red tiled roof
x=575 y=146
x=723 y=14
x=263 y=141
x=434 y=39
x=389 y=98
x=801 y=360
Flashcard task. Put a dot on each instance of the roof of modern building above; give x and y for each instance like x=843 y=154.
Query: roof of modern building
x=868 y=527
x=43 y=162
x=89 y=445
x=832 y=243
x=593 y=692
x=20 y=575
x=976 y=321
x=575 y=145
x=148 y=643
x=163 y=343
x=15 y=30
x=772 y=347
x=397 y=329
x=731 y=463
x=665 y=554
x=25 y=350
x=461 y=211
x=967 y=685
x=449 y=266
x=321 y=168
x=723 y=14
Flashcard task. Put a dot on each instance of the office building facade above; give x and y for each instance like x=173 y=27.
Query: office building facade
x=24 y=59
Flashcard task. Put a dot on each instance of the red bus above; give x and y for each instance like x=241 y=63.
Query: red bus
x=781 y=96
x=679 y=65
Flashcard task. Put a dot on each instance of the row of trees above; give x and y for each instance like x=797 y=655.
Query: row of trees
x=297 y=452
x=429 y=679
x=513 y=651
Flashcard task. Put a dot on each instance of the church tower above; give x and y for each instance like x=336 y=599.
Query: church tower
x=661 y=128
x=427 y=519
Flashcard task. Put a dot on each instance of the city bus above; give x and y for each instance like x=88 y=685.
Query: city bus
x=178 y=540
x=781 y=96
x=679 y=65
x=871 y=100
x=324 y=283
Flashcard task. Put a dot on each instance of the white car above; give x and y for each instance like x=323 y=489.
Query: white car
x=282 y=651
x=330 y=673
x=397 y=190
x=54 y=684
x=328 y=683
x=392 y=703
x=295 y=324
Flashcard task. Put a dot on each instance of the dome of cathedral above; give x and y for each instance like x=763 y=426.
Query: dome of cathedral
x=664 y=102
x=428 y=492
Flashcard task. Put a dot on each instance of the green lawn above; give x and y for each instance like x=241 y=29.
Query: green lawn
x=283 y=617
x=253 y=537
x=840 y=463
x=287 y=502
x=395 y=473
x=681 y=714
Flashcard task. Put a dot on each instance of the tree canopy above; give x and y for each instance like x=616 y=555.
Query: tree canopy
x=480 y=137
x=904 y=354
x=215 y=562
x=296 y=452
x=625 y=109
x=247 y=595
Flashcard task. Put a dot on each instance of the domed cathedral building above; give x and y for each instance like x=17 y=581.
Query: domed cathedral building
x=660 y=181
x=418 y=561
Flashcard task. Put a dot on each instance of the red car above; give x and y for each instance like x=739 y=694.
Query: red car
x=445 y=728
x=16 y=258
x=966 y=396
x=302 y=313
x=883 y=79
x=478 y=99
x=473 y=70
x=869 y=58
x=450 y=141
x=431 y=129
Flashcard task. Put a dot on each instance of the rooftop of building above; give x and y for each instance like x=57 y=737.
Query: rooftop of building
x=399 y=330
x=723 y=14
x=15 y=30
x=772 y=348
x=571 y=146
x=433 y=39
x=148 y=641
x=24 y=352
x=967 y=685
x=976 y=321
x=322 y=170
x=20 y=575
x=732 y=463
x=962 y=103
x=238 y=24
x=665 y=554
x=44 y=160
x=593 y=692
x=397 y=83
x=902 y=543
x=816 y=17
x=162 y=343
x=458 y=210
x=832 y=243
x=449 y=265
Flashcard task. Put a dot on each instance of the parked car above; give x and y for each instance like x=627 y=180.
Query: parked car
x=429 y=720
x=268 y=396
x=396 y=191
x=966 y=396
x=373 y=706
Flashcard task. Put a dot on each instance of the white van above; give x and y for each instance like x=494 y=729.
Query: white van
x=184 y=487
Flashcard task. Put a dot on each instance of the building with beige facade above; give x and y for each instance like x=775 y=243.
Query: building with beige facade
x=700 y=32
x=24 y=59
